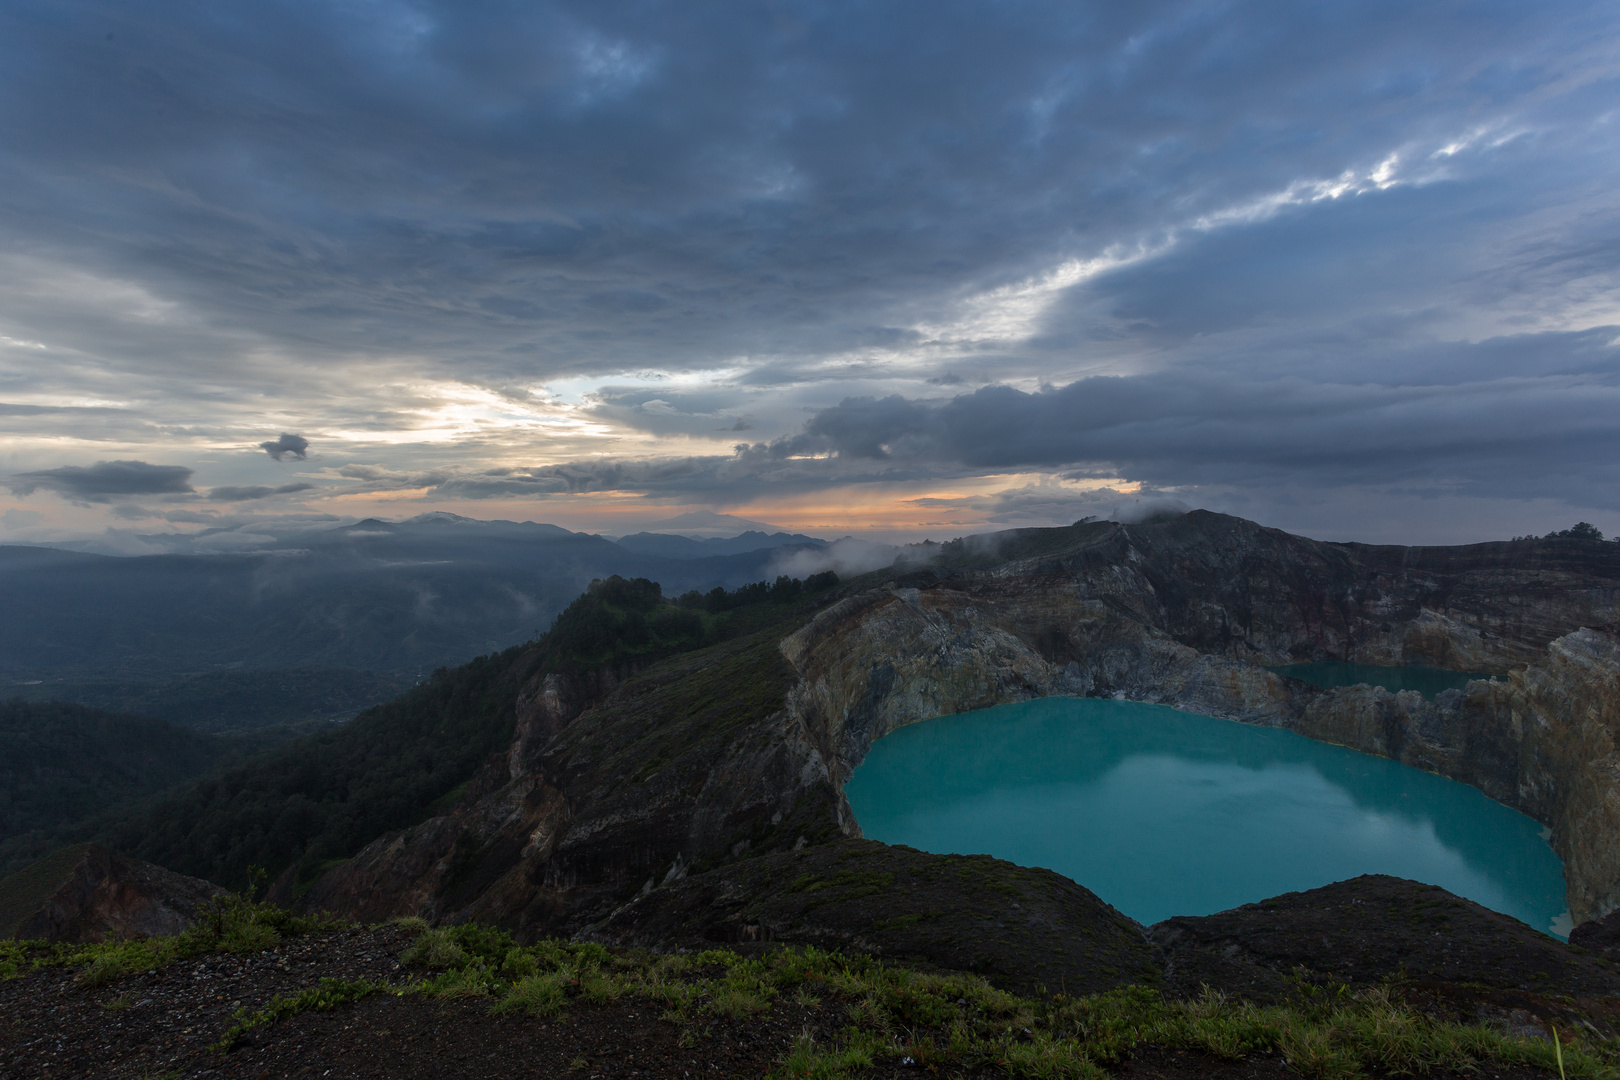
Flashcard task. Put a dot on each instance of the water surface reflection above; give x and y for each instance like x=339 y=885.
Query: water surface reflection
x=1165 y=813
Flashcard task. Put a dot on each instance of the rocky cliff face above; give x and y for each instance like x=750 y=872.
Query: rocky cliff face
x=88 y=893
x=1184 y=614
x=609 y=791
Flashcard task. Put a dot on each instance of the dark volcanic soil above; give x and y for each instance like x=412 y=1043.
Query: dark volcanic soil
x=161 y=1024
x=1372 y=928
x=1023 y=928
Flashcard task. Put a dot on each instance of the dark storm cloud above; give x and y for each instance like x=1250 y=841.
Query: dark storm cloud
x=285 y=446
x=693 y=177
x=1539 y=416
x=1345 y=244
x=105 y=481
x=229 y=493
x=749 y=471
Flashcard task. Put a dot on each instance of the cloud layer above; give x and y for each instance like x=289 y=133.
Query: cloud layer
x=106 y=480
x=562 y=251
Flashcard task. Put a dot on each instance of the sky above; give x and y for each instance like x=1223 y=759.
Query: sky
x=899 y=270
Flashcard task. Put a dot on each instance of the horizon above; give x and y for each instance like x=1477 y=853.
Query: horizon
x=130 y=543
x=897 y=273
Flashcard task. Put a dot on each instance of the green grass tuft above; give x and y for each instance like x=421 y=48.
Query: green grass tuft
x=950 y=1023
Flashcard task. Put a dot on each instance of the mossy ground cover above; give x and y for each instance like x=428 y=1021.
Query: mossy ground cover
x=960 y=1024
x=229 y=924
x=870 y=1017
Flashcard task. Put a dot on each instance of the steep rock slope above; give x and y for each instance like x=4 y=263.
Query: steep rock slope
x=1183 y=613
x=87 y=893
x=611 y=790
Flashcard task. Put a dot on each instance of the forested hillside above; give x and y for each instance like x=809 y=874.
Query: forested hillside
x=221 y=701
x=62 y=762
x=325 y=796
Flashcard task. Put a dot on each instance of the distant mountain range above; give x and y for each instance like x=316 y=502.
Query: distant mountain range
x=708 y=525
x=672 y=546
x=397 y=598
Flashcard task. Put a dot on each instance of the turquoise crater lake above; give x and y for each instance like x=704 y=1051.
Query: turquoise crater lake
x=1166 y=813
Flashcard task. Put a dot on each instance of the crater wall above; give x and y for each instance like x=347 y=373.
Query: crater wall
x=612 y=789
x=1186 y=614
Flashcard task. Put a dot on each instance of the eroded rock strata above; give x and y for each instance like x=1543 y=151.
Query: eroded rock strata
x=610 y=792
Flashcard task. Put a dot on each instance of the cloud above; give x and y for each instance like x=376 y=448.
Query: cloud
x=105 y=481
x=1136 y=511
x=294 y=445
x=847 y=557
x=190 y=517
x=674 y=474
x=1049 y=501
x=21 y=519
x=562 y=247
x=243 y=494
x=1522 y=417
x=381 y=478
x=1530 y=416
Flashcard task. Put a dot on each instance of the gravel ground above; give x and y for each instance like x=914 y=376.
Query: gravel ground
x=161 y=1024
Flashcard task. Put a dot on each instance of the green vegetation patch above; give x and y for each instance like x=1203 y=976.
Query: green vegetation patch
x=893 y=1015
x=619 y=622
x=232 y=923
x=327 y=994
x=61 y=762
x=1018 y=927
x=845 y=885
x=955 y=1023
x=229 y=701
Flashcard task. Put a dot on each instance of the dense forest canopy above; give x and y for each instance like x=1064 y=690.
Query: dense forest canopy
x=61 y=762
x=323 y=797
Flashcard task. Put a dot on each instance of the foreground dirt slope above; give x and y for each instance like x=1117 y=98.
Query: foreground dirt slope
x=1427 y=952
x=1025 y=929
x=609 y=792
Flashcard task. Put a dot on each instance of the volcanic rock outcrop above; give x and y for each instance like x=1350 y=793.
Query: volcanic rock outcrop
x=1368 y=930
x=87 y=893
x=610 y=791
